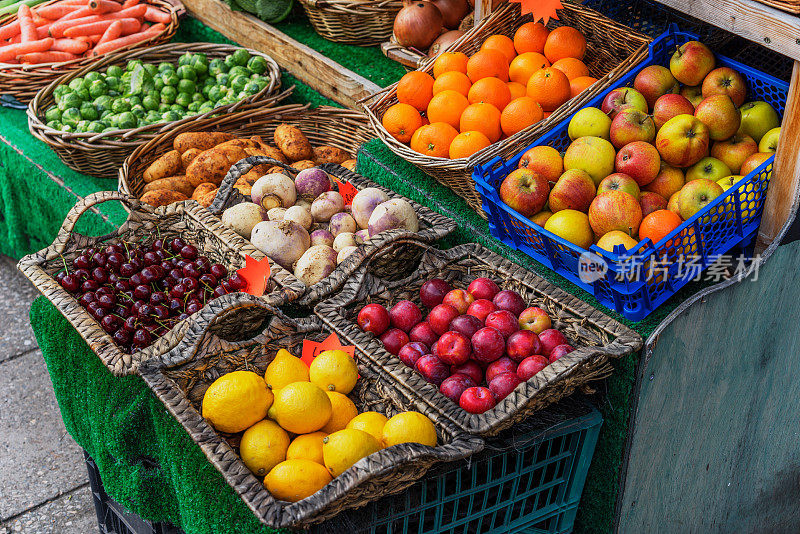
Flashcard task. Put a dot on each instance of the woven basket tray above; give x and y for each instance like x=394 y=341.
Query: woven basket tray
x=612 y=49
x=595 y=336
x=24 y=81
x=355 y=22
x=790 y=6
x=182 y=377
x=101 y=154
x=186 y=220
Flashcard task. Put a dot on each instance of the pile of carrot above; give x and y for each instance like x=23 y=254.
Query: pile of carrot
x=70 y=29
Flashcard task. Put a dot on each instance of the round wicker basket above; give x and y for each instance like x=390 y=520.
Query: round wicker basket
x=356 y=22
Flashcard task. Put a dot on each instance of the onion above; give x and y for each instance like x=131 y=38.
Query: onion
x=274 y=191
x=443 y=41
x=394 y=213
x=365 y=202
x=311 y=183
x=452 y=11
x=283 y=241
x=315 y=264
x=418 y=24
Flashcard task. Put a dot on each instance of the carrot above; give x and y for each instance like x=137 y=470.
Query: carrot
x=9 y=30
x=16 y=39
x=46 y=57
x=122 y=42
x=55 y=11
x=153 y=14
x=104 y=6
x=73 y=2
x=135 y=12
x=112 y=32
x=43 y=30
x=128 y=26
x=12 y=51
x=73 y=46
x=58 y=27
x=26 y=26
x=129 y=3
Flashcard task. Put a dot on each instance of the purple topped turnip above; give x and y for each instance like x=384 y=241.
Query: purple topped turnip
x=346 y=251
x=322 y=237
x=284 y=241
x=311 y=183
x=273 y=191
x=326 y=206
x=342 y=222
x=300 y=215
x=345 y=239
x=241 y=218
x=394 y=213
x=362 y=236
x=365 y=202
x=315 y=264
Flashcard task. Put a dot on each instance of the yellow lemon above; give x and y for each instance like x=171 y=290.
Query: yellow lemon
x=616 y=237
x=342 y=411
x=294 y=480
x=409 y=427
x=263 y=446
x=271 y=411
x=572 y=225
x=334 y=370
x=302 y=407
x=342 y=449
x=284 y=370
x=371 y=423
x=307 y=447
x=236 y=401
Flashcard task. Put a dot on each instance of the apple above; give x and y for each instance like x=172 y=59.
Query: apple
x=560 y=351
x=611 y=239
x=487 y=345
x=545 y=160
x=541 y=218
x=639 y=160
x=500 y=366
x=725 y=81
x=522 y=344
x=729 y=181
x=528 y=367
x=734 y=151
x=672 y=205
x=753 y=162
x=550 y=339
x=373 y=318
x=619 y=182
x=459 y=299
x=503 y=321
x=509 y=300
x=477 y=400
x=455 y=385
x=589 y=122
x=453 y=348
x=591 y=154
x=433 y=291
x=692 y=94
x=632 y=125
x=669 y=106
x=466 y=324
x=405 y=315
x=423 y=333
x=769 y=142
x=572 y=226
x=615 y=210
x=483 y=288
x=504 y=384
x=440 y=316
x=393 y=340
x=534 y=319
x=432 y=369
x=654 y=82
x=525 y=191
x=757 y=119
x=411 y=352
x=708 y=168
x=683 y=141
x=720 y=115
x=575 y=190
x=669 y=181
x=481 y=308
x=695 y=195
x=651 y=202
x=471 y=369
x=623 y=98
x=691 y=63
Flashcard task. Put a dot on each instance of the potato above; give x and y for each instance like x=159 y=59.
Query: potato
x=200 y=140
x=240 y=142
x=202 y=190
x=212 y=165
x=293 y=143
x=173 y=183
x=188 y=156
x=349 y=164
x=206 y=199
x=330 y=154
x=304 y=164
x=167 y=165
x=162 y=197
x=275 y=169
x=245 y=182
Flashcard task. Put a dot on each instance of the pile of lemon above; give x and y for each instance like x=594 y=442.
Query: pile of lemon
x=300 y=428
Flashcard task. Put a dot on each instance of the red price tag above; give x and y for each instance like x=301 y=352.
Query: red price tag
x=541 y=9
x=348 y=191
x=256 y=274
x=311 y=349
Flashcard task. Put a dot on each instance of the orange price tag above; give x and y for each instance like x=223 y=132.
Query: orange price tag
x=255 y=273
x=348 y=191
x=541 y=9
x=311 y=349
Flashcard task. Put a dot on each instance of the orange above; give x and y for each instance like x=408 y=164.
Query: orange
x=456 y=81
x=530 y=37
x=447 y=106
x=517 y=89
x=547 y=114
x=484 y=118
x=486 y=63
x=573 y=68
x=578 y=85
x=564 y=42
x=401 y=121
x=450 y=62
x=466 y=144
x=524 y=65
x=490 y=90
x=502 y=44
x=519 y=114
x=415 y=88
x=434 y=139
x=549 y=87
x=658 y=224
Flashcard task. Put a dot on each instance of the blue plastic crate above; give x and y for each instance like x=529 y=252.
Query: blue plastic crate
x=638 y=281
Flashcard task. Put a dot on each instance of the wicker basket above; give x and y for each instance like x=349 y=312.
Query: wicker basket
x=24 y=81
x=611 y=52
x=595 y=336
x=186 y=220
x=790 y=6
x=101 y=154
x=355 y=22
x=181 y=379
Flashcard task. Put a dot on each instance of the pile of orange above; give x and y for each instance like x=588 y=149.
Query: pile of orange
x=471 y=102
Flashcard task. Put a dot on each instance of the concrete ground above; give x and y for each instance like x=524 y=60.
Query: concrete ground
x=44 y=486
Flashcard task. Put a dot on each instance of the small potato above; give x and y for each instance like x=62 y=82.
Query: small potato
x=188 y=156
x=175 y=183
x=241 y=143
x=202 y=190
x=207 y=199
x=350 y=164
x=212 y=165
x=200 y=140
x=275 y=170
x=293 y=143
x=167 y=165
x=304 y=164
x=330 y=154
x=163 y=197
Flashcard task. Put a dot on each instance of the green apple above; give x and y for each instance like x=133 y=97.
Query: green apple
x=708 y=168
x=728 y=181
x=757 y=119
x=592 y=154
x=769 y=143
x=589 y=122
x=695 y=195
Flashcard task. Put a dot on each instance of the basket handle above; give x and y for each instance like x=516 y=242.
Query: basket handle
x=383 y=249
x=236 y=171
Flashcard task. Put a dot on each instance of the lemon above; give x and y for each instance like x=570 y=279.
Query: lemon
x=307 y=447
x=371 y=423
x=343 y=410
x=236 y=401
x=342 y=449
x=271 y=411
x=334 y=370
x=616 y=237
x=572 y=225
x=284 y=370
x=263 y=446
x=302 y=407
x=409 y=427
x=294 y=480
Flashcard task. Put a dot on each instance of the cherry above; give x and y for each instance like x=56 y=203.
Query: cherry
x=177 y=291
x=175 y=275
x=219 y=291
x=237 y=282
x=122 y=337
x=115 y=261
x=183 y=316
x=175 y=305
x=145 y=310
x=188 y=252
x=86 y=299
x=141 y=338
x=135 y=280
x=219 y=270
x=158 y=297
x=190 y=284
x=70 y=283
x=203 y=263
x=90 y=285
x=60 y=276
x=151 y=258
x=106 y=301
x=208 y=280
x=190 y=270
x=82 y=275
x=105 y=290
x=161 y=312
x=158 y=244
x=193 y=307
x=82 y=262
x=142 y=292
x=122 y=286
x=127 y=269
x=177 y=244
x=110 y=323
x=99 y=275
x=131 y=324
x=99 y=259
x=166 y=265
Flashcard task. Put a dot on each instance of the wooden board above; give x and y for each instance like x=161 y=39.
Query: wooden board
x=306 y=64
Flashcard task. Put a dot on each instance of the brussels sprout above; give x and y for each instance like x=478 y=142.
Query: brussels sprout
x=95 y=127
x=127 y=120
x=170 y=116
x=52 y=114
x=258 y=65
x=183 y=99
x=132 y=64
x=69 y=100
x=185 y=72
x=102 y=103
x=166 y=66
x=71 y=117
x=199 y=64
x=241 y=57
x=238 y=83
x=114 y=71
x=120 y=105
x=150 y=102
x=98 y=88
x=76 y=83
x=168 y=95
x=92 y=77
x=185 y=59
x=89 y=112
x=187 y=86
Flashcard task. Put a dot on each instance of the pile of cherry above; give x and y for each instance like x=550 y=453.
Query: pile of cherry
x=479 y=336
x=139 y=292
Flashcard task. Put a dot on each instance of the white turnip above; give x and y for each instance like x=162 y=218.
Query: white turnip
x=299 y=215
x=346 y=251
x=326 y=206
x=284 y=241
x=275 y=214
x=315 y=264
x=394 y=213
x=345 y=239
x=241 y=218
x=365 y=202
x=362 y=236
x=274 y=191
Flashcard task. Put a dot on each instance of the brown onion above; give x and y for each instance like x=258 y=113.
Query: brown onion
x=418 y=24
x=443 y=41
x=452 y=11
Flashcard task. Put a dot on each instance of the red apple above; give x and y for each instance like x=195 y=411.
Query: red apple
x=683 y=141
x=668 y=182
x=669 y=106
x=615 y=210
x=432 y=369
x=619 y=182
x=477 y=400
x=720 y=115
x=469 y=368
x=393 y=340
x=503 y=385
x=481 y=308
x=632 y=125
x=423 y=333
x=560 y=350
x=373 y=318
x=639 y=160
x=483 y=288
x=459 y=299
x=655 y=81
x=525 y=191
x=411 y=352
x=574 y=190
x=509 y=300
x=734 y=151
x=454 y=386
x=651 y=202
x=725 y=81
x=487 y=345
x=503 y=321
x=523 y=344
x=544 y=160
x=621 y=99
x=534 y=319
x=691 y=63
x=550 y=339
x=405 y=315
x=498 y=367
x=439 y=318
x=453 y=348
x=466 y=324
x=530 y=366
x=433 y=291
